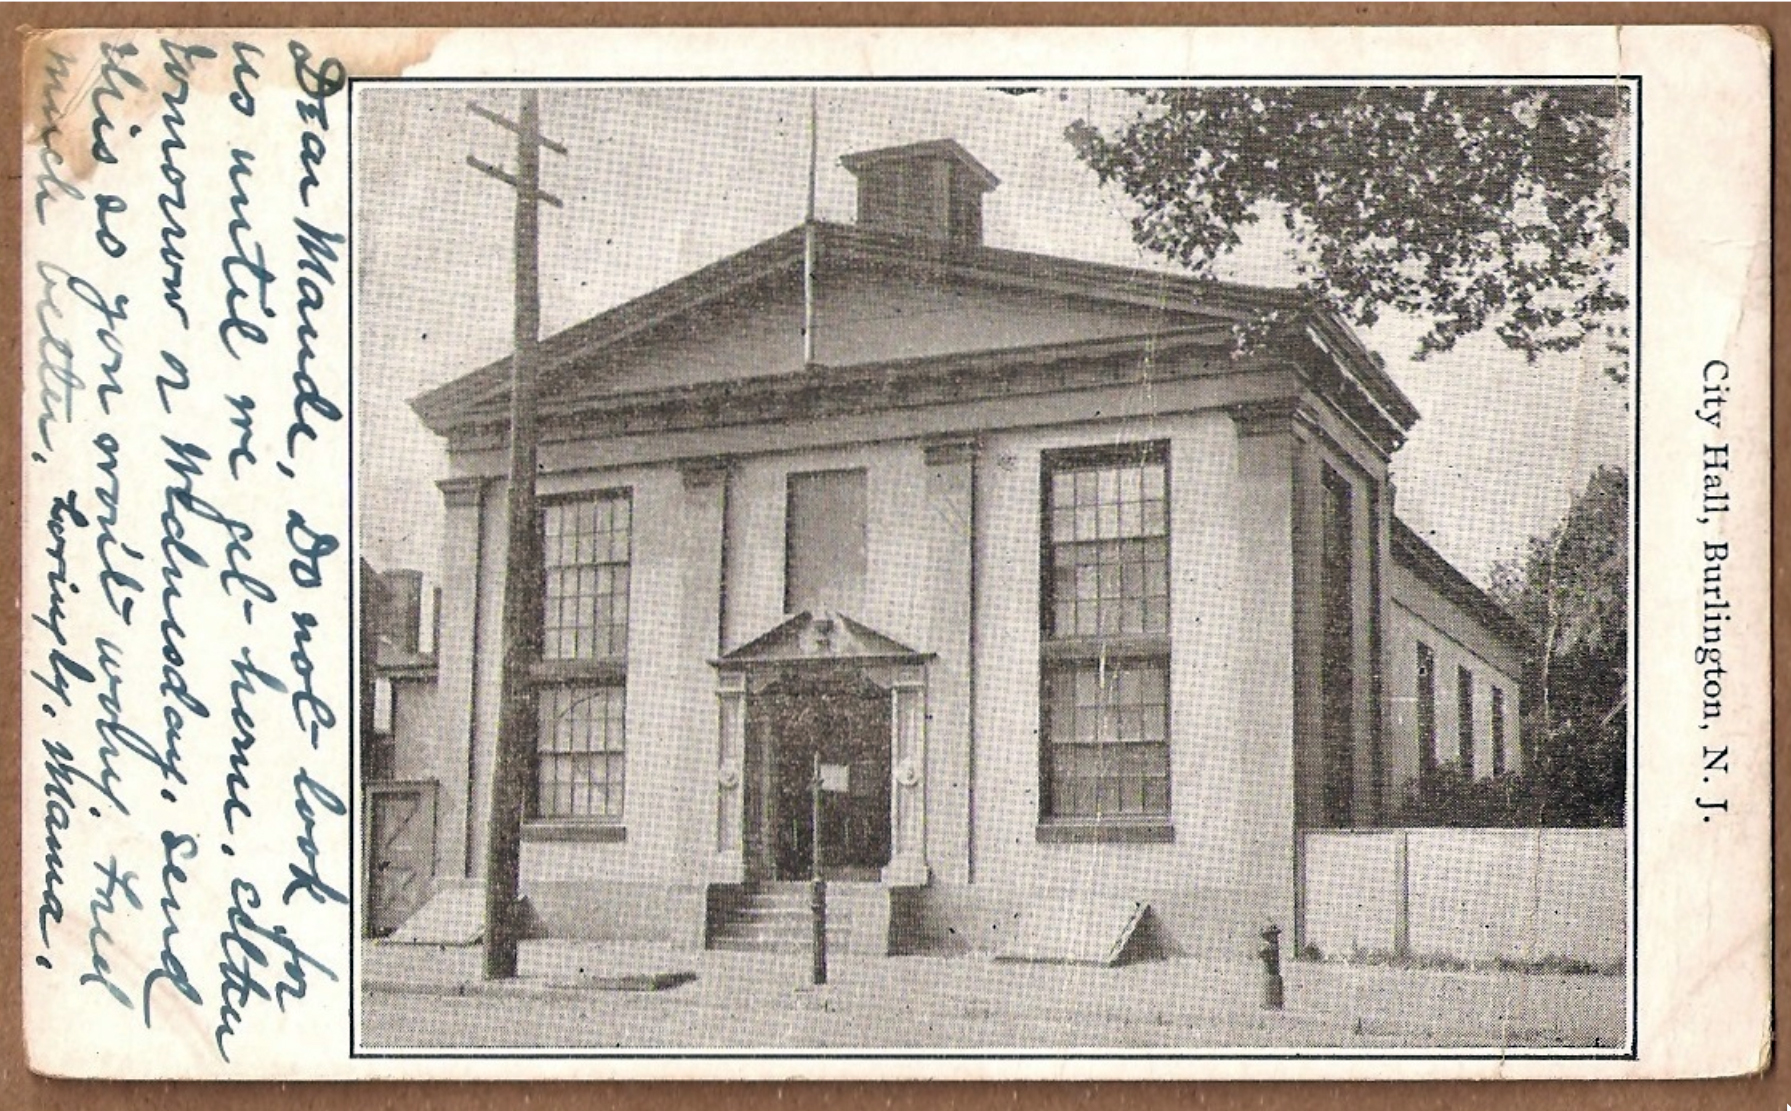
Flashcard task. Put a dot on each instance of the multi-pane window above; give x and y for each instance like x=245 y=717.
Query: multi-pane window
x=1464 y=720
x=1427 y=708
x=1105 y=624
x=1109 y=550
x=581 y=745
x=1109 y=739
x=1498 y=731
x=580 y=756
x=586 y=552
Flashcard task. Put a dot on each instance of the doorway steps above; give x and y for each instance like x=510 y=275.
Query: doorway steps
x=776 y=918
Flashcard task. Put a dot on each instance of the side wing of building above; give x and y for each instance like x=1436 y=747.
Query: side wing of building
x=1456 y=669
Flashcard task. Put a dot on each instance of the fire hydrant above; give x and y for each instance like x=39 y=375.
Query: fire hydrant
x=1271 y=967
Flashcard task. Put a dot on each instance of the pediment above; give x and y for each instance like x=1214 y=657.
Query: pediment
x=820 y=637
x=880 y=299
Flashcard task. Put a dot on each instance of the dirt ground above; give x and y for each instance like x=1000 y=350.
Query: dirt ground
x=570 y=995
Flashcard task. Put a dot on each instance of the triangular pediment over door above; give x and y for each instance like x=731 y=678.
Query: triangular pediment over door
x=821 y=638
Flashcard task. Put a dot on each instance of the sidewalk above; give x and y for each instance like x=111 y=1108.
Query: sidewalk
x=574 y=994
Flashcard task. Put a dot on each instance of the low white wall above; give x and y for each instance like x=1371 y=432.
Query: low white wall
x=1474 y=895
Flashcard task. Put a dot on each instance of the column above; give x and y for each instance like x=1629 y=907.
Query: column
x=950 y=764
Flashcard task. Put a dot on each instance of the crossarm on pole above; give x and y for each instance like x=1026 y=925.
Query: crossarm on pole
x=513 y=181
x=514 y=127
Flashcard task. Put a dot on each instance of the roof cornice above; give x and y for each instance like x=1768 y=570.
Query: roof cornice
x=1416 y=555
x=894 y=383
x=460 y=402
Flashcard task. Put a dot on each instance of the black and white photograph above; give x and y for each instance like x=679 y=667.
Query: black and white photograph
x=954 y=568
x=774 y=553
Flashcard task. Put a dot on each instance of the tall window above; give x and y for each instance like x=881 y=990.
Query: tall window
x=1464 y=720
x=1427 y=708
x=1105 y=635
x=1498 y=731
x=580 y=752
x=586 y=556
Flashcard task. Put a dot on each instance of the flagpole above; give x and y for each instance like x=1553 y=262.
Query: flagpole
x=808 y=233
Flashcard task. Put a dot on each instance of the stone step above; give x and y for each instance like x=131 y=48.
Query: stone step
x=732 y=944
x=752 y=912
x=788 y=932
x=781 y=920
x=777 y=917
x=780 y=898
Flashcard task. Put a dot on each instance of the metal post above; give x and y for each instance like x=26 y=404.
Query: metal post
x=1272 y=987
x=817 y=887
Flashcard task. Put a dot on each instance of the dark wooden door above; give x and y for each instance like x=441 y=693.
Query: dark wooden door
x=401 y=852
x=843 y=721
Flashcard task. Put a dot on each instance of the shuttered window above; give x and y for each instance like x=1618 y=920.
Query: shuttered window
x=824 y=542
x=1464 y=720
x=1427 y=708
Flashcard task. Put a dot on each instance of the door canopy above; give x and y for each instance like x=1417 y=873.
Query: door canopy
x=820 y=638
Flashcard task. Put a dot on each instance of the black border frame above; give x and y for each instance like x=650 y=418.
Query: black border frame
x=1316 y=1054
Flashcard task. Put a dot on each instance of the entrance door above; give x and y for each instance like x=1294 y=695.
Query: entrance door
x=401 y=852
x=842 y=721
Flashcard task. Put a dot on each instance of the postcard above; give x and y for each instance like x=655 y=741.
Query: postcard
x=926 y=553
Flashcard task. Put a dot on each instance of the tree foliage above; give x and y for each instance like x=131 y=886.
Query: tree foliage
x=1571 y=594
x=1465 y=206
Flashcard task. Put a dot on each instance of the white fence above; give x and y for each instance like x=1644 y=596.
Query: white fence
x=1531 y=897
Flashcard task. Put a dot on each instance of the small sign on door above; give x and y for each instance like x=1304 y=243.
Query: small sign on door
x=836 y=777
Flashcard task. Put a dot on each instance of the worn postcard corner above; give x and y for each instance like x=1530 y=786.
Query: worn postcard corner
x=1231 y=553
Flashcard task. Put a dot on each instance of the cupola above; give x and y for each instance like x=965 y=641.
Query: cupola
x=932 y=189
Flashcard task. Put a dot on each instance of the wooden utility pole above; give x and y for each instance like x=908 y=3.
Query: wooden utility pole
x=522 y=568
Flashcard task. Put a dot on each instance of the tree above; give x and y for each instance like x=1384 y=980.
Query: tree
x=1571 y=594
x=1465 y=206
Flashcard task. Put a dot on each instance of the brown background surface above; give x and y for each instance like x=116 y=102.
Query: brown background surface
x=21 y=1089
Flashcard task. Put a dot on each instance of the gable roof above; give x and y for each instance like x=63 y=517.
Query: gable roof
x=453 y=405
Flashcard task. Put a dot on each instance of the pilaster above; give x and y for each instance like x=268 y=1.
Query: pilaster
x=702 y=560
x=950 y=730
x=908 y=789
x=457 y=655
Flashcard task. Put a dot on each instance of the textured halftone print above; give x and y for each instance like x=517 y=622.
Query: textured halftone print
x=1412 y=938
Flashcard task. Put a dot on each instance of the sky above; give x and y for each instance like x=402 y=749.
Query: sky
x=659 y=181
